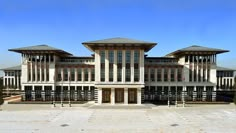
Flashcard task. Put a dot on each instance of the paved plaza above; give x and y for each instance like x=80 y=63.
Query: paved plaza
x=29 y=118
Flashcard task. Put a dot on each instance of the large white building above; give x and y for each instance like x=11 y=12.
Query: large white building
x=119 y=72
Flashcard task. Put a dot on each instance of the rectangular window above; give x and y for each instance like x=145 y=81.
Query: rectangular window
x=72 y=74
x=65 y=73
x=79 y=74
x=159 y=74
x=85 y=74
x=180 y=74
x=58 y=74
x=146 y=74
x=172 y=75
x=165 y=74
x=152 y=74
x=93 y=74
x=127 y=65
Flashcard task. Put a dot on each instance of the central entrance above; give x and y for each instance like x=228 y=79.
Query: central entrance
x=132 y=95
x=106 y=95
x=119 y=95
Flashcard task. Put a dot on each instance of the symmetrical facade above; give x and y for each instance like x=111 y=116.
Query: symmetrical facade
x=119 y=72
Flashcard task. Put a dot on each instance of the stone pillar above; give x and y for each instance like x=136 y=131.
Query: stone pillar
x=115 y=67
x=97 y=66
x=40 y=70
x=89 y=94
x=112 y=96
x=202 y=70
x=106 y=66
x=82 y=73
x=43 y=93
x=45 y=72
x=33 y=93
x=76 y=74
x=193 y=63
x=89 y=74
x=99 y=96
x=82 y=93
x=23 y=94
x=197 y=68
x=123 y=66
x=214 y=94
x=141 y=63
x=132 y=66
x=31 y=79
x=126 y=96
x=139 y=96
x=204 y=94
x=206 y=68
x=194 y=93
x=75 y=93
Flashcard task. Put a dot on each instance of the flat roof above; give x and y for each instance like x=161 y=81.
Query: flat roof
x=196 y=48
x=18 y=67
x=39 y=49
x=119 y=42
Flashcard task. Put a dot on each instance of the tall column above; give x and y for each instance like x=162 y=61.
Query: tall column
x=31 y=68
x=40 y=68
x=206 y=68
x=132 y=65
x=36 y=68
x=202 y=70
x=45 y=72
x=194 y=93
x=99 y=96
x=7 y=85
x=76 y=74
x=204 y=94
x=115 y=66
x=4 y=80
x=97 y=66
x=125 y=95
x=33 y=93
x=43 y=93
x=89 y=74
x=112 y=96
x=193 y=63
x=106 y=66
x=123 y=65
x=139 y=96
x=82 y=73
x=197 y=68
x=62 y=74
x=141 y=63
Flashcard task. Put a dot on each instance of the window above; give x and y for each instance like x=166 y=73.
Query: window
x=111 y=61
x=172 y=76
x=79 y=74
x=72 y=74
x=65 y=73
x=166 y=74
x=59 y=77
x=152 y=74
x=159 y=78
x=93 y=74
x=85 y=74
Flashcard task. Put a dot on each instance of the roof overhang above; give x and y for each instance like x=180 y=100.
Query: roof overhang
x=94 y=46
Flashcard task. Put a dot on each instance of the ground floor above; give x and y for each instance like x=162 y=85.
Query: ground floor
x=147 y=118
x=119 y=95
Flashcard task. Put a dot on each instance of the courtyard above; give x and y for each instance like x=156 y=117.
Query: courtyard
x=37 y=118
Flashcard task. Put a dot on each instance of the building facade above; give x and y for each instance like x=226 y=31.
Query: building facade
x=120 y=72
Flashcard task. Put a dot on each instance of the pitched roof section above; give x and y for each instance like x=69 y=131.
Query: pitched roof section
x=119 y=42
x=196 y=48
x=39 y=48
x=218 y=68
x=12 y=68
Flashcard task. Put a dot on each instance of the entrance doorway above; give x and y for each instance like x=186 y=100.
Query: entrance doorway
x=119 y=95
x=132 y=95
x=106 y=95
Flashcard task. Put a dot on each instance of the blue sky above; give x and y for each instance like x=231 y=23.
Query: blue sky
x=65 y=24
